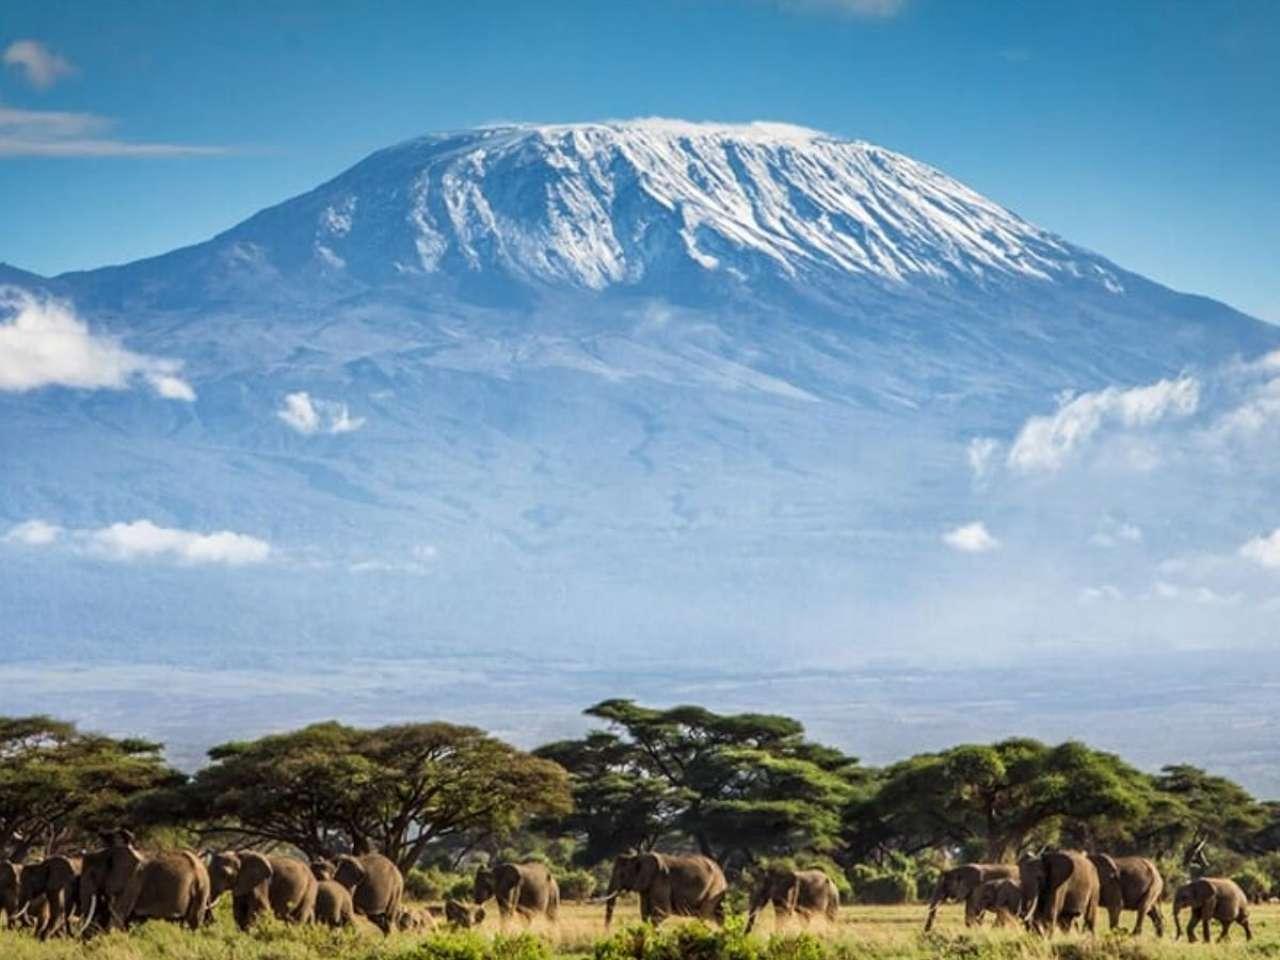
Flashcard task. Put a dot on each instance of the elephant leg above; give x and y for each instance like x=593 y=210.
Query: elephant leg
x=717 y=911
x=1226 y=927
x=1157 y=919
x=1248 y=930
x=383 y=922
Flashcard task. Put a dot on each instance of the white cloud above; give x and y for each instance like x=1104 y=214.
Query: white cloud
x=1264 y=550
x=41 y=67
x=1090 y=595
x=418 y=561
x=56 y=133
x=144 y=540
x=1113 y=533
x=43 y=344
x=971 y=538
x=870 y=9
x=1046 y=442
x=33 y=533
x=1164 y=590
x=980 y=453
x=308 y=415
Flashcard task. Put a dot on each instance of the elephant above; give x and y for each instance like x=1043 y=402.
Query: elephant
x=120 y=884
x=526 y=889
x=376 y=887
x=962 y=883
x=258 y=883
x=1002 y=897
x=10 y=884
x=463 y=915
x=805 y=892
x=57 y=880
x=415 y=920
x=1211 y=898
x=1065 y=886
x=169 y=885
x=1130 y=883
x=333 y=906
x=669 y=885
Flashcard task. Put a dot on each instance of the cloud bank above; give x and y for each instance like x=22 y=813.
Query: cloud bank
x=55 y=133
x=44 y=344
x=1046 y=443
x=144 y=540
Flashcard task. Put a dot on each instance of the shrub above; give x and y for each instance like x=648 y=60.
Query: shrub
x=436 y=884
x=1253 y=881
x=576 y=884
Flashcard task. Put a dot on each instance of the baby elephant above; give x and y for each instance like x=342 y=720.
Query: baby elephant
x=1211 y=898
x=333 y=901
x=1003 y=898
x=462 y=915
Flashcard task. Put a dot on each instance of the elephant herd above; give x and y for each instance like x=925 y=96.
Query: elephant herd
x=119 y=885
x=1054 y=890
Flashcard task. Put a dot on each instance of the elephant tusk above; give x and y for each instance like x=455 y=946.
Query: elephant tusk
x=88 y=916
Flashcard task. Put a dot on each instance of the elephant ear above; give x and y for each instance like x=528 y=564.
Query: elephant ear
x=255 y=870
x=648 y=868
x=350 y=872
x=1108 y=869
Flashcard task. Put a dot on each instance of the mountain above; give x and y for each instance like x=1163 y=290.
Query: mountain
x=532 y=397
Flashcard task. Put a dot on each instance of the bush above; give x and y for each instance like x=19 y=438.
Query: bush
x=576 y=884
x=1253 y=881
x=880 y=885
x=435 y=884
x=686 y=941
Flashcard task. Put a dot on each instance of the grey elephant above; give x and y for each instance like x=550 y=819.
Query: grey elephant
x=415 y=920
x=169 y=885
x=1065 y=885
x=333 y=906
x=10 y=883
x=376 y=886
x=524 y=889
x=1130 y=883
x=962 y=883
x=259 y=883
x=1001 y=897
x=463 y=915
x=56 y=880
x=806 y=893
x=669 y=885
x=1211 y=898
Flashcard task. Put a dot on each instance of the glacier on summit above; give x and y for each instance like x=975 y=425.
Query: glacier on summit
x=620 y=406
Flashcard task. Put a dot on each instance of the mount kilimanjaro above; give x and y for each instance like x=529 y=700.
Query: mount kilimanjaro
x=529 y=396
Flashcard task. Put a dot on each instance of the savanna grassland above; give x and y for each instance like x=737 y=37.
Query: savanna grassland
x=863 y=932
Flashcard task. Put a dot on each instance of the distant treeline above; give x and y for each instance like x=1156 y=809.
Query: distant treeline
x=745 y=789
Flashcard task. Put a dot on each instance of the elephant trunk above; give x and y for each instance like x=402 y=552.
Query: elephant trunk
x=609 y=901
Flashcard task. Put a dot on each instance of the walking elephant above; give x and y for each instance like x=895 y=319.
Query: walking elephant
x=526 y=889
x=57 y=880
x=1066 y=887
x=259 y=883
x=120 y=884
x=669 y=885
x=962 y=883
x=376 y=887
x=1211 y=898
x=1130 y=883
x=1003 y=898
x=807 y=893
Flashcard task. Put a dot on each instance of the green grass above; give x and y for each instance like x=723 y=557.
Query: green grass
x=863 y=933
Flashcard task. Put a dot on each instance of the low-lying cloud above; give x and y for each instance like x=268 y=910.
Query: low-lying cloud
x=145 y=540
x=57 y=133
x=44 y=344
x=308 y=415
x=1045 y=443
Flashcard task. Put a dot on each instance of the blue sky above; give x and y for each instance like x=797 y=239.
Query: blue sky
x=1147 y=131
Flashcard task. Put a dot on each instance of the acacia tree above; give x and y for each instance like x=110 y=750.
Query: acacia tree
x=735 y=786
x=395 y=789
x=60 y=787
x=996 y=800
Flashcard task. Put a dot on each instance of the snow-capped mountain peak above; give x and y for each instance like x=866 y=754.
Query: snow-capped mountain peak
x=649 y=203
